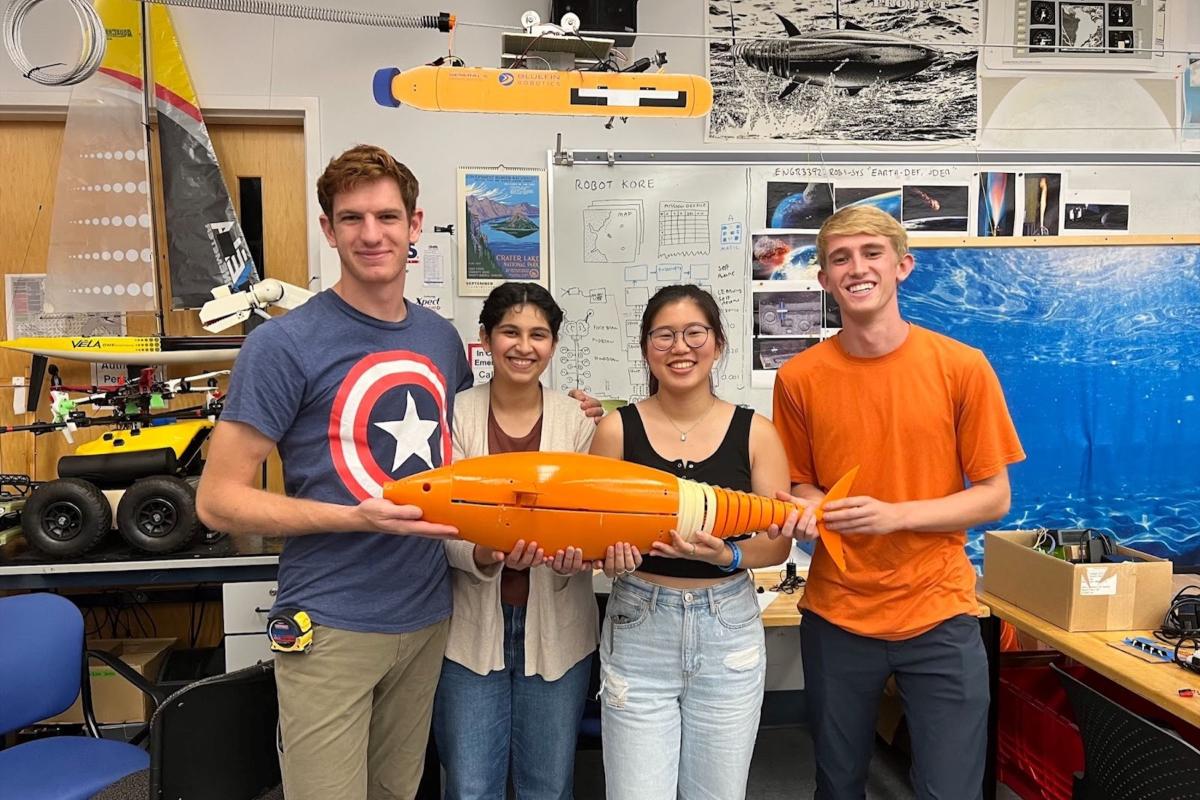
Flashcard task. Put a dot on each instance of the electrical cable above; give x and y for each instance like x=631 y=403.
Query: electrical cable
x=789 y=580
x=144 y=619
x=1044 y=542
x=1182 y=621
x=1190 y=662
x=195 y=626
x=519 y=61
x=95 y=39
x=91 y=52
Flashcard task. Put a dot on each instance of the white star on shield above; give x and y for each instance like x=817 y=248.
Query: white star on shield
x=411 y=434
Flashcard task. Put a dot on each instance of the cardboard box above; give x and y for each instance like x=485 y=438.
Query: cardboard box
x=115 y=699
x=1132 y=595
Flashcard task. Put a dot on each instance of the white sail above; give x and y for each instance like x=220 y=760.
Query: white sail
x=101 y=256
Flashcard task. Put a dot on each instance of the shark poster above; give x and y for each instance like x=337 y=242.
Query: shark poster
x=843 y=70
x=500 y=219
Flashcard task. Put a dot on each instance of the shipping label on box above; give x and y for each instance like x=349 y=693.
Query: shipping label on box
x=1098 y=581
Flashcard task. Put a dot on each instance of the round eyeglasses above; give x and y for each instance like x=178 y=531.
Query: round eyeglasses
x=694 y=336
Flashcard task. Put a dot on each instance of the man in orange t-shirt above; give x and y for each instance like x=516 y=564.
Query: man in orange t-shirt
x=925 y=419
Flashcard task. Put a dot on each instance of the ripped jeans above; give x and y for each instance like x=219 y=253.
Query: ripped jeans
x=681 y=686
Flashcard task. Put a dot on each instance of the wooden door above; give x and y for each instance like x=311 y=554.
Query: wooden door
x=273 y=154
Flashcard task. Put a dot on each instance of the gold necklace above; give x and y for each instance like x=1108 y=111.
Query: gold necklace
x=682 y=433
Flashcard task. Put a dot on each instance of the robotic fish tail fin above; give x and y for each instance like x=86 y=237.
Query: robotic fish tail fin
x=739 y=512
x=831 y=539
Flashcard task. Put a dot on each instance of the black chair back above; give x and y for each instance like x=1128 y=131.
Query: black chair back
x=215 y=739
x=1127 y=757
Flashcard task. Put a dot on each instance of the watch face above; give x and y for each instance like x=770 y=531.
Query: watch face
x=1120 y=41
x=1041 y=38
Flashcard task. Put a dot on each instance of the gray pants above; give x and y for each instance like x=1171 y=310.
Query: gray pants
x=943 y=679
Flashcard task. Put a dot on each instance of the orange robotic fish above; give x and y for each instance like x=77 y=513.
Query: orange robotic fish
x=565 y=500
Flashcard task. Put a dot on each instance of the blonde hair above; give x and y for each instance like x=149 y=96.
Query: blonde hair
x=856 y=220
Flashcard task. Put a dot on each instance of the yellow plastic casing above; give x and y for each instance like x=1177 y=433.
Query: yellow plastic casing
x=532 y=91
x=177 y=436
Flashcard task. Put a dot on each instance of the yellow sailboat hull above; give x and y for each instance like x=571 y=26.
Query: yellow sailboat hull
x=143 y=350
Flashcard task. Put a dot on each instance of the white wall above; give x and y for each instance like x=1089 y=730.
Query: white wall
x=240 y=60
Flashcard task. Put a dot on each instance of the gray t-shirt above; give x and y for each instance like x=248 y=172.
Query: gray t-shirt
x=354 y=402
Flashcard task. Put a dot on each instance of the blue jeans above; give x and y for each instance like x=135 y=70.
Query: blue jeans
x=681 y=676
x=481 y=722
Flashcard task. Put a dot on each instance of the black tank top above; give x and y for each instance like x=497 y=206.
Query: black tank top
x=728 y=467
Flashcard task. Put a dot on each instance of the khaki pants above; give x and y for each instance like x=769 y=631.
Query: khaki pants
x=354 y=713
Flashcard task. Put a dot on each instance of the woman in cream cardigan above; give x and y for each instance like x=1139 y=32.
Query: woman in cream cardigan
x=525 y=627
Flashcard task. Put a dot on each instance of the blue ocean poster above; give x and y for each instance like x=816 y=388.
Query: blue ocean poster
x=1096 y=348
x=1191 y=100
x=500 y=223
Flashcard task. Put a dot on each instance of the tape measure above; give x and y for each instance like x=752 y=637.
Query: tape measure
x=290 y=631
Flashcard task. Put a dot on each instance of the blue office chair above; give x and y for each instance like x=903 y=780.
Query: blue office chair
x=1126 y=757
x=42 y=669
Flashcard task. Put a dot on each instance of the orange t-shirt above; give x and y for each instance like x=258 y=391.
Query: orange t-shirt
x=915 y=421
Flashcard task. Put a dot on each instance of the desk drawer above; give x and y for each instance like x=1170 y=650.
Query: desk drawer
x=246 y=650
x=246 y=606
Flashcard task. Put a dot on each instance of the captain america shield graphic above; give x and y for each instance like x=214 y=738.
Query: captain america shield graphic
x=388 y=421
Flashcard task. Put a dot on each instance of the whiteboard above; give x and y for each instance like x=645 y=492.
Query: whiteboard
x=616 y=239
x=626 y=224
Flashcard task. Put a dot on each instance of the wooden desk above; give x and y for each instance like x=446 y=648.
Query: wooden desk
x=782 y=611
x=1158 y=683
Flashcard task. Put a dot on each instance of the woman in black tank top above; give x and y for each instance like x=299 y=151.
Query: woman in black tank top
x=682 y=654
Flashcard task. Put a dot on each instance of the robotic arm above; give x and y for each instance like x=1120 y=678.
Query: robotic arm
x=229 y=308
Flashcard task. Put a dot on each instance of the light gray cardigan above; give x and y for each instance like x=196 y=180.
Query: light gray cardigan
x=561 y=624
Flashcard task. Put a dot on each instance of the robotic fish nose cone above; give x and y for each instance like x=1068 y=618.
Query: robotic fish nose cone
x=381 y=86
x=430 y=491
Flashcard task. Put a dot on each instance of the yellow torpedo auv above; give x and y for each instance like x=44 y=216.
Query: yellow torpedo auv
x=535 y=91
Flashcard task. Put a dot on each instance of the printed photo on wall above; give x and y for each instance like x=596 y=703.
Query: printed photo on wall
x=798 y=205
x=783 y=256
x=1096 y=212
x=1043 y=195
x=847 y=70
x=833 y=316
x=500 y=228
x=1081 y=27
x=997 y=204
x=886 y=200
x=771 y=353
x=935 y=209
x=789 y=317
x=1191 y=103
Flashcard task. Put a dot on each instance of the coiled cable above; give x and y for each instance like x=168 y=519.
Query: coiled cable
x=90 y=55
x=94 y=39
x=443 y=22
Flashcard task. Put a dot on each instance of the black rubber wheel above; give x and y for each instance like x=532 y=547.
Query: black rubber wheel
x=66 y=518
x=158 y=514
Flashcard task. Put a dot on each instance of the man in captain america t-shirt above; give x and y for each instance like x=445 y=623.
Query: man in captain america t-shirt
x=355 y=388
